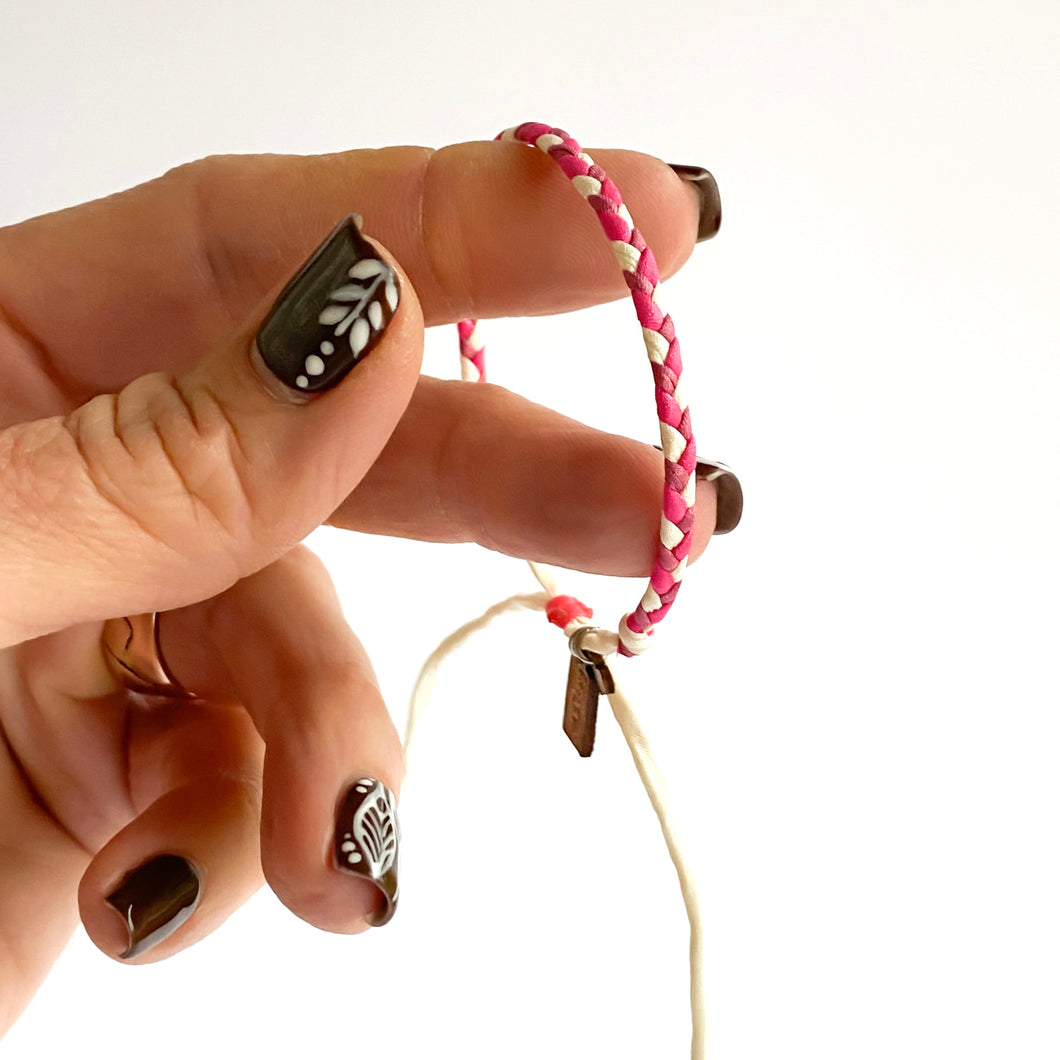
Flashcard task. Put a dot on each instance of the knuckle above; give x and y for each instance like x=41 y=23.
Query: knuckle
x=204 y=173
x=447 y=254
x=457 y=506
x=304 y=564
x=201 y=184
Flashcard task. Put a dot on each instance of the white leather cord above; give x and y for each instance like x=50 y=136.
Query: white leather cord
x=428 y=677
x=643 y=759
x=655 y=785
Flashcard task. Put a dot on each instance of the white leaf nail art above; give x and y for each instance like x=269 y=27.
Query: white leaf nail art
x=332 y=314
x=367 y=269
x=348 y=292
x=359 y=334
x=356 y=308
x=373 y=834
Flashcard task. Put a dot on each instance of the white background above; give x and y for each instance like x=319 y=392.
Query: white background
x=856 y=696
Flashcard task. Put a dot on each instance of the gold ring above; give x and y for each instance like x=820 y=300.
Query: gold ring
x=133 y=653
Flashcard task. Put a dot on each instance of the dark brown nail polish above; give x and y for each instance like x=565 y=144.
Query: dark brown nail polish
x=331 y=315
x=366 y=840
x=154 y=900
x=729 y=491
x=709 y=198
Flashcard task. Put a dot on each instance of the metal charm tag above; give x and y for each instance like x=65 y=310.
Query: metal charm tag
x=588 y=677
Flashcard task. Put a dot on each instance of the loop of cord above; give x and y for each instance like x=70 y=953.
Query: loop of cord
x=643 y=758
x=641 y=273
x=601 y=641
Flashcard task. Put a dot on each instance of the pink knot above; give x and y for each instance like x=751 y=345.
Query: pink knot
x=563 y=610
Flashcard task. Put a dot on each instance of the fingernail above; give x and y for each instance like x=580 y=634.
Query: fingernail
x=331 y=315
x=727 y=488
x=154 y=900
x=709 y=198
x=729 y=492
x=366 y=841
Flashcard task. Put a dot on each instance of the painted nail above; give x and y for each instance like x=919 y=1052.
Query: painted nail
x=331 y=315
x=729 y=491
x=366 y=841
x=154 y=900
x=709 y=198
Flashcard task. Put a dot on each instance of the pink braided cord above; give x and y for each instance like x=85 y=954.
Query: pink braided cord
x=472 y=352
x=641 y=274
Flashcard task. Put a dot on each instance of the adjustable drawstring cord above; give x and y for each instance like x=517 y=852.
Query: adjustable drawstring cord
x=639 y=747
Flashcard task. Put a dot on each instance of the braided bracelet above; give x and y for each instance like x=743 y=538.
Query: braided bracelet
x=637 y=262
x=588 y=675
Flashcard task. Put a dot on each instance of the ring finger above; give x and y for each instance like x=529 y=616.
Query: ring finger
x=279 y=644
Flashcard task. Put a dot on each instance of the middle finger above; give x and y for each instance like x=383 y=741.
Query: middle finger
x=564 y=493
x=476 y=227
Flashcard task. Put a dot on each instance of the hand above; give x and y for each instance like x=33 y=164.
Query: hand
x=146 y=465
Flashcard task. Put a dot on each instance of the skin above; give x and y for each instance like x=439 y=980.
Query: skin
x=145 y=467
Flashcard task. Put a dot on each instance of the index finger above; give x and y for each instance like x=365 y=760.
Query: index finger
x=476 y=227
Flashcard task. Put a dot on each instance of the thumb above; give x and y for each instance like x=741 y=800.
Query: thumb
x=171 y=490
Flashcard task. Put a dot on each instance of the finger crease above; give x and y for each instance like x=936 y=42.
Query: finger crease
x=34 y=793
x=432 y=258
x=197 y=498
x=37 y=351
x=219 y=272
x=104 y=490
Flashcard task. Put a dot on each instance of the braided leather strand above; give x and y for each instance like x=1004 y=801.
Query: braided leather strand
x=641 y=274
x=472 y=352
